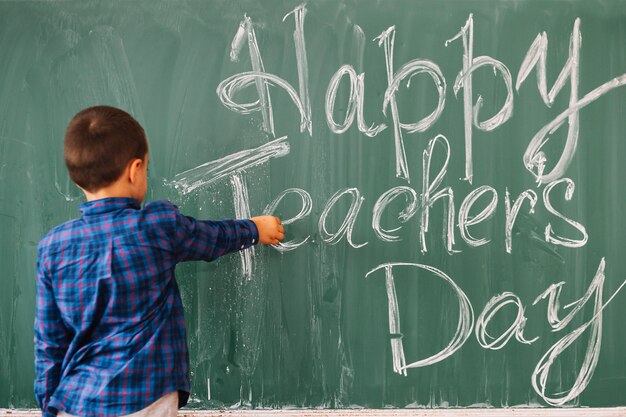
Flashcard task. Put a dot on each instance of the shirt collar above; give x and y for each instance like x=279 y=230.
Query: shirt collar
x=108 y=204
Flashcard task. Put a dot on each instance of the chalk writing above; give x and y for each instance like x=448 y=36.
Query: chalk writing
x=479 y=206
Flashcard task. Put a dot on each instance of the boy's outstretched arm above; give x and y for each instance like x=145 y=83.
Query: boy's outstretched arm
x=209 y=239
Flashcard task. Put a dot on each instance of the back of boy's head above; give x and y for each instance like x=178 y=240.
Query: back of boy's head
x=100 y=141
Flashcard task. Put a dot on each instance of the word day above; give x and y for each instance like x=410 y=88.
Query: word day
x=477 y=207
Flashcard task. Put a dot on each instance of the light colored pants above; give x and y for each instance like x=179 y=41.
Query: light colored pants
x=166 y=406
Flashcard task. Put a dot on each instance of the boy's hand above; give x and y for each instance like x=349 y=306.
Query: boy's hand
x=270 y=230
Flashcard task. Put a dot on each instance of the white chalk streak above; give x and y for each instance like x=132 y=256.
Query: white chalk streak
x=211 y=172
x=553 y=292
x=301 y=61
x=404 y=216
x=238 y=40
x=516 y=328
x=534 y=158
x=331 y=97
x=542 y=370
x=265 y=102
x=242 y=211
x=410 y=69
x=229 y=87
x=553 y=237
x=464 y=80
x=506 y=111
x=307 y=206
x=536 y=57
x=348 y=223
x=358 y=45
x=386 y=39
x=512 y=212
x=465 y=220
x=354 y=106
x=463 y=330
x=467 y=36
x=393 y=315
x=427 y=198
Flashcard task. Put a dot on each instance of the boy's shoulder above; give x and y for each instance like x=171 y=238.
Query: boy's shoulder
x=59 y=233
x=64 y=232
x=160 y=205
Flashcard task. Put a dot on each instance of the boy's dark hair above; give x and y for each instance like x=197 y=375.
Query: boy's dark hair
x=100 y=141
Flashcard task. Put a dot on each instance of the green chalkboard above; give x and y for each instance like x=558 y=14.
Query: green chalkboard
x=452 y=175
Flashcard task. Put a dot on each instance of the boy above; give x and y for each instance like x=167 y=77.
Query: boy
x=109 y=328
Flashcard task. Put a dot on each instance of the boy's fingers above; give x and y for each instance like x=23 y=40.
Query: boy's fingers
x=280 y=236
x=281 y=228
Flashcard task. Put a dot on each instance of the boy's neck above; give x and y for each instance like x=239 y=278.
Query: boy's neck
x=132 y=183
x=110 y=191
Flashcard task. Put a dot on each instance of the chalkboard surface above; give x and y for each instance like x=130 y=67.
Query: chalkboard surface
x=451 y=174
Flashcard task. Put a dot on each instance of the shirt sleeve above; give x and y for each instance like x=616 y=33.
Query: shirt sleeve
x=52 y=339
x=208 y=240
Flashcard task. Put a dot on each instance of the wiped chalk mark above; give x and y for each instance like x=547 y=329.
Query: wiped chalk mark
x=553 y=237
x=428 y=196
x=465 y=220
x=358 y=45
x=516 y=328
x=464 y=80
x=301 y=61
x=463 y=330
x=381 y=204
x=242 y=211
x=246 y=32
x=542 y=370
x=214 y=171
x=512 y=212
x=233 y=167
x=239 y=39
x=348 y=223
x=69 y=186
x=307 y=206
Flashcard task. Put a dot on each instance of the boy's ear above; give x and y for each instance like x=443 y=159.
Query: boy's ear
x=134 y=167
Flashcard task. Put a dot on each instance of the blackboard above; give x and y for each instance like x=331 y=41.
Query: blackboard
x=451 y=174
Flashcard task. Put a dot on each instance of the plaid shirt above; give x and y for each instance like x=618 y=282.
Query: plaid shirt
x=109 y=328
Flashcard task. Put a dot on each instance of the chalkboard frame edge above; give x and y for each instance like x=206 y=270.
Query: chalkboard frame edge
x=456 y=412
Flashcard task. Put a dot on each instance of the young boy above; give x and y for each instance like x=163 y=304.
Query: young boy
x=109 y=329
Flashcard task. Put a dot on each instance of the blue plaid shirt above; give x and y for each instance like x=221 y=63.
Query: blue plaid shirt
x=109 y=327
